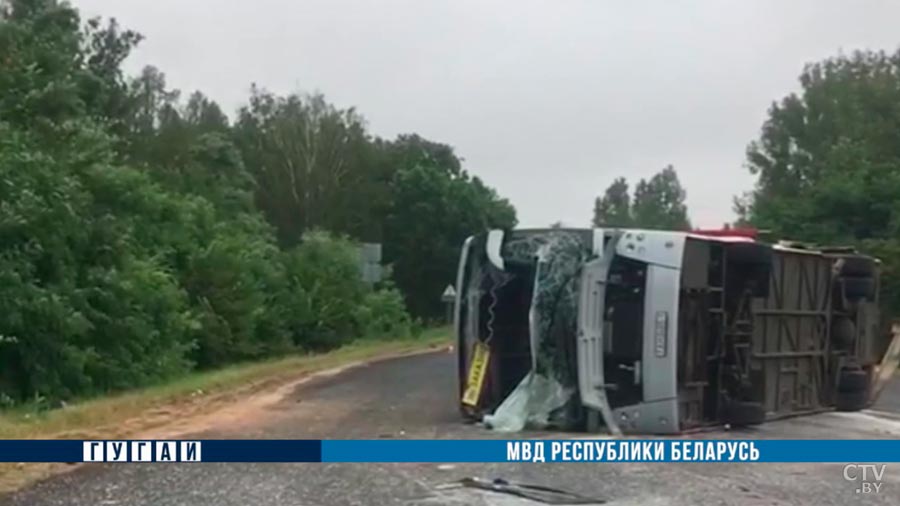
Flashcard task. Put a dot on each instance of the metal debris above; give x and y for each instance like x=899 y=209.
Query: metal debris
x=539 y=493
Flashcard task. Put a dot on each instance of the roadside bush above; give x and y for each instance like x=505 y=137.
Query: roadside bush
x=229 y=266
x=140 y=327
x=234 y=282
x=327 y=302
x=383 y=314
x=324 y=290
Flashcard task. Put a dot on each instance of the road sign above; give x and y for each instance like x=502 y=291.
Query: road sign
x=449 y=294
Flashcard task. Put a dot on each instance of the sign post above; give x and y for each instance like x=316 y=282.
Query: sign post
x=449 y=299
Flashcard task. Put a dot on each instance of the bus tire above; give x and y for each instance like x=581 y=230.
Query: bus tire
x=852 y=381
x=851 y=401
x=858 y=288
x=856 y=266
x=743 y=413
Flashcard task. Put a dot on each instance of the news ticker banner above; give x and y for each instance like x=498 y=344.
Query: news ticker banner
x=451 y=451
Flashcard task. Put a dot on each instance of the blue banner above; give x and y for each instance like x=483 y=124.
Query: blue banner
x=611 y=450
x=435 y=451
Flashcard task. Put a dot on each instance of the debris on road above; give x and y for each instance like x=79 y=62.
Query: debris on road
x=538 y=493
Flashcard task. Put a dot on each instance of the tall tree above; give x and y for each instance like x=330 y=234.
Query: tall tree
x=827 y=161
x=410 y=150
x=659 y=202
x=89 y=303
x=131 y=244
x=306 y=156
x=431 y=215
x=107 y=47
x=52 y=72
x=613 y=209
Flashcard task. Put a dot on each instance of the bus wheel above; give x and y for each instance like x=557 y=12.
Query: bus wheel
x=851 y=401
x=743 y=413
x=853 y=380
x=858 y=288
x=856 y=266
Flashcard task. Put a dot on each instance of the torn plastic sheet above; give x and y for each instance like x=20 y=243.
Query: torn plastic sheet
x=529 y=405
x=545 y=396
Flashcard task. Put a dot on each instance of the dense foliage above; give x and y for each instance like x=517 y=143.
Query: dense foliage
x=828 y=161
x=142 y=235
x=657 y=203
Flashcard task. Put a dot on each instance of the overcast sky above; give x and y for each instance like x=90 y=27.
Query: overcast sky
x=548 y=101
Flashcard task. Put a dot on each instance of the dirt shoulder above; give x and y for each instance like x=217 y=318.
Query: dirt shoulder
x=194 y=404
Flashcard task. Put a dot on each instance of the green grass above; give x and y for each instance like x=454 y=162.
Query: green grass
x=106 y=415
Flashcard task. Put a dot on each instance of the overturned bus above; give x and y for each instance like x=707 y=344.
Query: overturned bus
x=648 y=331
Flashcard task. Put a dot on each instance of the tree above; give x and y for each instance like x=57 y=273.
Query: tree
x=827 y=161
x=410 y=150
x=659 y=202
x=142 y=235
x=205 y=114
x=613 y=209
x=130 y=249
x=107 y=48
x=317 y=167
x=307 y=156
x=187 y=147
x=431 y=215
x=52 y=72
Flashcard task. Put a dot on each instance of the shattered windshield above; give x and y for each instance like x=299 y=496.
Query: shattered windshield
x=545 y=395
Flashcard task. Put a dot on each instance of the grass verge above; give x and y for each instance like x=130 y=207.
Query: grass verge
x=139 y=411
x=81 y=417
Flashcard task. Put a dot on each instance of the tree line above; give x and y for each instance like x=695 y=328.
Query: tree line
x=144 y=234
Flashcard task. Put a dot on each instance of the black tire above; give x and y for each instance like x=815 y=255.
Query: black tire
x=853 y=381
x=856 y=266
x=851 y=401
x=858 y=288
x=743 y=413
x=843 y=332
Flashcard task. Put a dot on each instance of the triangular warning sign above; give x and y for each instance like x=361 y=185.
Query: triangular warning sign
x=449 y=293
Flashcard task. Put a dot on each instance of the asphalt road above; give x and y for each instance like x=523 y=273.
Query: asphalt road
x=415 y=398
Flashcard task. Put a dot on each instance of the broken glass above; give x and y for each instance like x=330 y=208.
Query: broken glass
x=545 y=396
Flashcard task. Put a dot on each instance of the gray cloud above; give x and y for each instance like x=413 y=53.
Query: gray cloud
x=548 y=101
